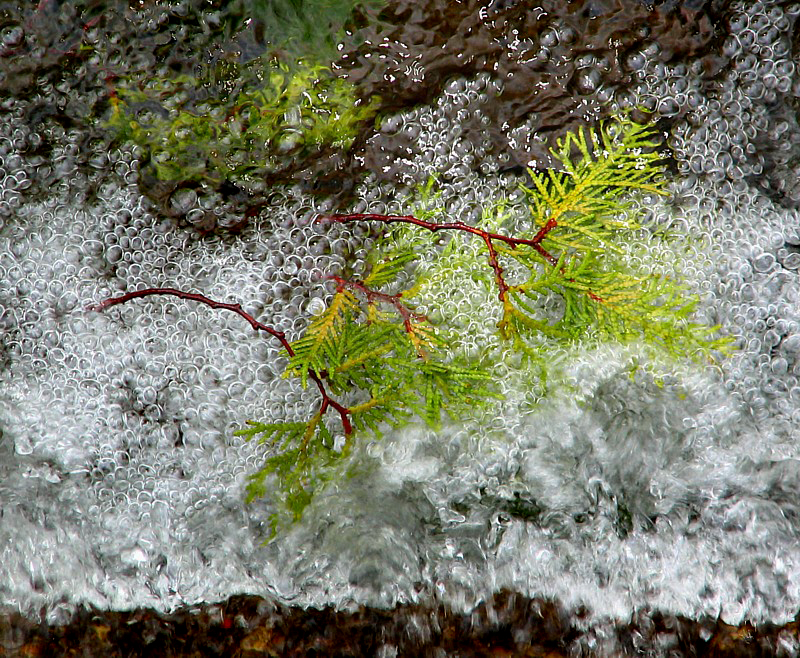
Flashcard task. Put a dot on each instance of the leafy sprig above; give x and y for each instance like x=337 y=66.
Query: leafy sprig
x=370 y=346
x=377 y=361
x=580 y=221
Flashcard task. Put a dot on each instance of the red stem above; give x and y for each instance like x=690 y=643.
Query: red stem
x=498 y=270
x=407 y=314
x=327 y=401
x=371 y=295
x=540 y=235
x=195 y=297
x=486 y=236
x=434 y=226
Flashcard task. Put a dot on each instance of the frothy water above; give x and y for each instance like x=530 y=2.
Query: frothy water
x=669 y=487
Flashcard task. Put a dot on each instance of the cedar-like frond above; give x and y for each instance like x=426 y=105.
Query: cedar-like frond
x=389 y=407
x=387 y=269
x=371 y=347
x=585 y=199
x=441 y=386
x=360 y=349
x=318 y=346
x=300 y=451
x=277 y=434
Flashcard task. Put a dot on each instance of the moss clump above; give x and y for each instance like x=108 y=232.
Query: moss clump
x=234 y=126
x=286 y=114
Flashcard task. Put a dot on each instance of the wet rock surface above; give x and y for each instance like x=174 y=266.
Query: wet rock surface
x=546 y=68
x=557 y=65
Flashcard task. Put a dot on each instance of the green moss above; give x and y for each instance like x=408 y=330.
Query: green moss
x=286 y=113
x=237 y=124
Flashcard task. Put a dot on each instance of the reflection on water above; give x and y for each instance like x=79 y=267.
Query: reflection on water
x=121 y=482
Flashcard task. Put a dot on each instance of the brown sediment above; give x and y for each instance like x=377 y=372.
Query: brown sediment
x=507 y=625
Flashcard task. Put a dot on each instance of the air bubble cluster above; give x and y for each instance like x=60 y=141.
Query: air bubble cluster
x=743 y=128
x=141 y=401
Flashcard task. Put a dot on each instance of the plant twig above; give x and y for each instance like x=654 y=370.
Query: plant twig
x=373 y=295
x=487 y=236
x=327 y=401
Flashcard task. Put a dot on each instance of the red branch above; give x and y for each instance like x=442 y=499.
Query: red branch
x=195 y=297
x=535 y=242
x=487 y=236
x=327 y=401
x=373 y=295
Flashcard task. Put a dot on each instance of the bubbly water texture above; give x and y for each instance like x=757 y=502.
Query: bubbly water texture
x=121 y=482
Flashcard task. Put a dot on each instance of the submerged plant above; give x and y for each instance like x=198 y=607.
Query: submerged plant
x=377 y=361
x=287 y=112
x=308 y=27
x=235 y=124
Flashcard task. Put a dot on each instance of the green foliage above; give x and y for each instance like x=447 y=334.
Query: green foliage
x=586 y=197
x=299 y=458
x=601 y=294
x=283 y=113
x=392 y=364
x=234 y=126
x=391 y=361
x=243 y=121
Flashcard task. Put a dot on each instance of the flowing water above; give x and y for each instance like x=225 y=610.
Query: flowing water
x=673 y=488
